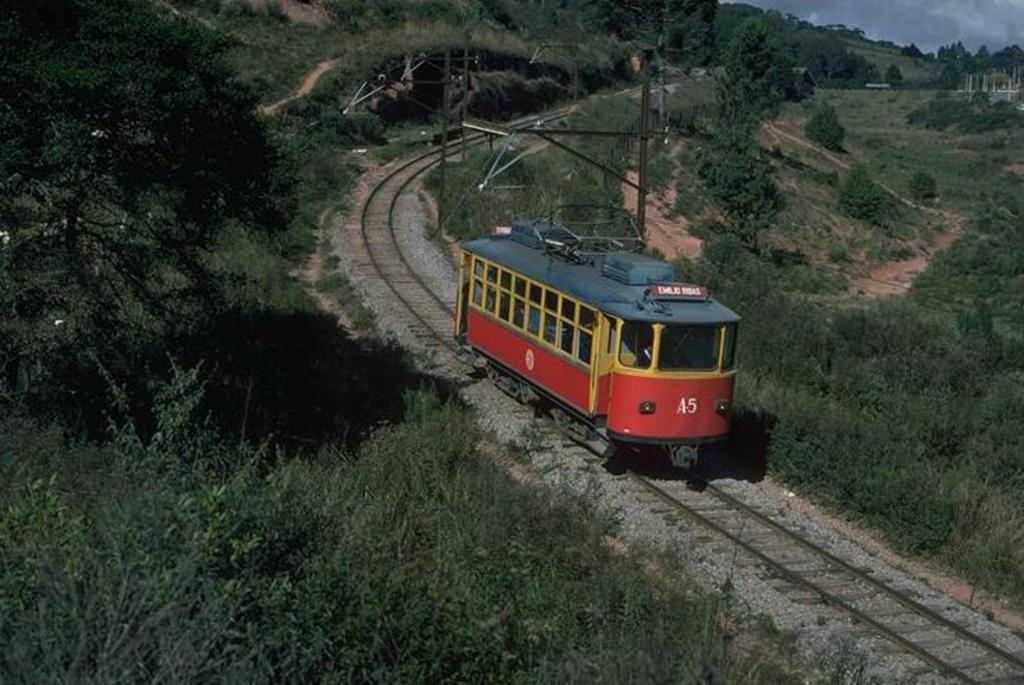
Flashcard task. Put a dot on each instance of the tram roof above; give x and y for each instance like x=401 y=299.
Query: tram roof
x=587 y=282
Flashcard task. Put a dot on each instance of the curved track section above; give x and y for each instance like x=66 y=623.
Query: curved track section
x=943 y=646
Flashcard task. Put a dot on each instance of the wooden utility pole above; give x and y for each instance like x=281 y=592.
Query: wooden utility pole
x=446 y=81
x=641 y=203
x=464 y=110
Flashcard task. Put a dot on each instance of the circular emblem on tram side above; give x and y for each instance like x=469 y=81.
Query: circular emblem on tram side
x=530 y=361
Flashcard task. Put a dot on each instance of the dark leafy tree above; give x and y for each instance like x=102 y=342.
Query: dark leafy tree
x=825 y=128
x=799 y=45
x=682 y=29
x=861 y=198
x=125 y=148
x=982 y=59
x=754 y=73
x=1008 y=58
x=950 y=77
x=733 y=167
x=923 y=187
x=894 y=76
x=911 y=51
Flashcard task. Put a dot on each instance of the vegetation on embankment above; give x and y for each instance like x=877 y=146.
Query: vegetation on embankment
x=903 y=414
x=201 y=476
x=547 y=181
x=187 y=556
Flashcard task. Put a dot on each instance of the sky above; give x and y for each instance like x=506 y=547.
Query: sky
x=928 y=23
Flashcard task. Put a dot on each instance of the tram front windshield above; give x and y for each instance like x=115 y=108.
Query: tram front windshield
x=681 y=347
x=689 y=348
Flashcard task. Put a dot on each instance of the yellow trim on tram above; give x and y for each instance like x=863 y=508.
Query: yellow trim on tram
x=560 y=323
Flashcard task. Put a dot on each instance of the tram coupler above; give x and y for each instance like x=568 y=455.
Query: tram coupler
x=684 y=456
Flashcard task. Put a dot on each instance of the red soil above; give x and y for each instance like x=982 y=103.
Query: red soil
x=669 y=236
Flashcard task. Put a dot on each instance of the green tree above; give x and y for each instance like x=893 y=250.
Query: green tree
x=683 y=29
x=755 y=73
x=128 y=148
x=733 y=168
x=894 y=76
x=861 y=198
x=922 y=186
x=825 y=129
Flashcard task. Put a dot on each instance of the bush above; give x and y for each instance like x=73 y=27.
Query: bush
x=825 y=129
x=967 y=116
x=858 y=404
x=861 y=198
x=187 y=557
x=922 y=186
x=894 y=76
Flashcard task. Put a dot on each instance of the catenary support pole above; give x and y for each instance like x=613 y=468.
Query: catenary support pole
x=444 y=138
x=641 y=202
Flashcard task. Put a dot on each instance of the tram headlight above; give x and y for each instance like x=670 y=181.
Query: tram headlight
x=648 y=407
x=723 y=407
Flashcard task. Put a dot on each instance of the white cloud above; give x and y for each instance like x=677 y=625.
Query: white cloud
x=929 y=23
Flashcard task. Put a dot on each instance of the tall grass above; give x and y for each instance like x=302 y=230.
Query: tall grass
x=894 y=412
x=407 y=559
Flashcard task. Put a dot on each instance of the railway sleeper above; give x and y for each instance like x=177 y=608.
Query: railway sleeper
x=979 y=661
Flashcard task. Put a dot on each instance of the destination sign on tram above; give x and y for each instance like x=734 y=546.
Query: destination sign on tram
x=679 y=291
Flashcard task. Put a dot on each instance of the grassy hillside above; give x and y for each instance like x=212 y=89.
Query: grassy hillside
x=916 y=71
x=905 y=413
x=233 y=488
x=271 y=50
x=821 y=49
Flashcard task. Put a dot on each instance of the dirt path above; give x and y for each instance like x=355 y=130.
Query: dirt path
x=306 y=87
x=895 y=277
x=313 y=271
x=669 y=236
x=182 y=15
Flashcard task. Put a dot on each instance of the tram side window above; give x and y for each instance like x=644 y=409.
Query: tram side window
x=492 y=273
x=588 y=321
x=551 y=301
x=533 y=324
x=729 y=361
x=535 y=294
x=520 y=287
x=689 y=348
x=568 y=309
x=506 y=280
x=613 y=336
x=518 y=313
x=586 y=341
x=478 y=267
x=550 y=328
x=637 y=346
x=568 y=337
x=503 y=309
x=492 y=297
x=478 y=292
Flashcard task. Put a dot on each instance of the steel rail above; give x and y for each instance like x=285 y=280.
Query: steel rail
x=475 y=140
x=891 y=634
x=828 y=597
x=916 y=607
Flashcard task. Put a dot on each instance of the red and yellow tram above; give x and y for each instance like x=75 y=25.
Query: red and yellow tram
x=626 y=355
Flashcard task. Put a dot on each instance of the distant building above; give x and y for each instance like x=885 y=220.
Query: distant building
x=997 y=96
x=878 y=86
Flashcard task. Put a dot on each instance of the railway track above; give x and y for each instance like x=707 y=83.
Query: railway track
x=942 y=646
x=430 y=312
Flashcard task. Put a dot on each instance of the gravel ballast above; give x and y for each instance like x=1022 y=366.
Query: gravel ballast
x=821 y=633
